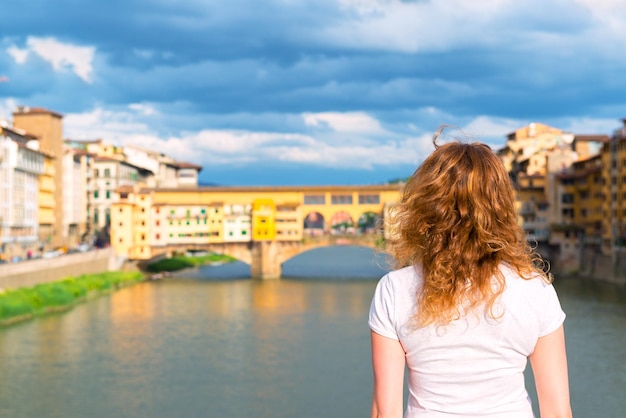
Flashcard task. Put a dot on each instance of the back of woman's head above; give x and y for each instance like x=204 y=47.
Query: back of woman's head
x=458 y=220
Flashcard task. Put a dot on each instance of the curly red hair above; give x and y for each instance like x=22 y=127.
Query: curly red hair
x=457 y=218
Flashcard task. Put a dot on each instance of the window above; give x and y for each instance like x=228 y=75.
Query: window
x=371 y=199
x=314 y=199
x=107 y=172
x=96 y=172
x=567 y=198
x=341 y=199
x=95 y=194
x=108 y=194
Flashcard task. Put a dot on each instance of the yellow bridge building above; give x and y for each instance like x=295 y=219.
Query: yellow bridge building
x=262 y=226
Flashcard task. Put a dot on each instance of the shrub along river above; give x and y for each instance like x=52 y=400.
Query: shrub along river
x=210 y=342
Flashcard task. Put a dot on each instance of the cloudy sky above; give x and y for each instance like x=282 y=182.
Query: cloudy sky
x=270 y=92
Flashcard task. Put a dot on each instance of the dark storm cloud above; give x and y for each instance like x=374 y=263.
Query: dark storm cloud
x=292 y=79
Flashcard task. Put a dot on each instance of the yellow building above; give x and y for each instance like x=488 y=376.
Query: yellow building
x=614 y=180
x=289 y=222
x=589 y=199
x=47 y=204
x=214 y=219
x=164 y=219
x=533 y=206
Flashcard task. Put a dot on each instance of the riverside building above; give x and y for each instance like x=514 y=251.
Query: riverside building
x=22 y=207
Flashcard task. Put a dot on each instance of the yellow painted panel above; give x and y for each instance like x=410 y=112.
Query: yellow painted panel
x=263 y=220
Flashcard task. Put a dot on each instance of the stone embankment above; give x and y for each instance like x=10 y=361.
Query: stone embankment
x=33 y=272
x=590 y=264
x=610 y=268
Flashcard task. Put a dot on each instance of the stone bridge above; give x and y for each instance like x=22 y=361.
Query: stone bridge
x=266 y=257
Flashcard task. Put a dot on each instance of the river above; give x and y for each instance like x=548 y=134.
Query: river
x=213 y=343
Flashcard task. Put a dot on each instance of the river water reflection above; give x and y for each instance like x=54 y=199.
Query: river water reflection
x=212 y=343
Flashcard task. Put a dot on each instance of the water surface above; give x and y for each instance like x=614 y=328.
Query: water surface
x=213 y=343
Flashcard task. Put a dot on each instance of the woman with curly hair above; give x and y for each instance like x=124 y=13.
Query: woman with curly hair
x=469 y=302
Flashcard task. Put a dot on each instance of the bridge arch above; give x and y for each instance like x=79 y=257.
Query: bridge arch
x=237 y=250
x=292 y=249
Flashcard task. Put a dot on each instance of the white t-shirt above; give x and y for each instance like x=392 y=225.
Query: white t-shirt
x=474 y=366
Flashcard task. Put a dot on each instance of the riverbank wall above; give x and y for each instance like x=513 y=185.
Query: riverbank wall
x=587 y=263
x=607 y=267
x=33 y=272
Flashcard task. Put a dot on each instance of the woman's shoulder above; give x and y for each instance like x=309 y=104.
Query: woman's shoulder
x=409 y=276
x=531 y=282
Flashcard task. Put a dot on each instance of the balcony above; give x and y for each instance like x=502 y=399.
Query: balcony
x=528 y=208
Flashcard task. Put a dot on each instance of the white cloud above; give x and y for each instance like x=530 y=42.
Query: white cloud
x=484 y=126
x=237 y=147
x=143 y=109
x=60 y=55
x=604 y=8
x=222 y=147
x=344 y=122
x=587 y=125
x=19 y=55
x=111 y=126
x=7 y=106
x=595 y=27
x=418 y=26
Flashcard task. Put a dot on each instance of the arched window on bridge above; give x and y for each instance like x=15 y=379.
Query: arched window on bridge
x=342 y=223
x=369 y=223
x=314 y=224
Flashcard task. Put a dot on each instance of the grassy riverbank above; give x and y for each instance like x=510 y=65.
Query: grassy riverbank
x=28 y=302
x=181 y=262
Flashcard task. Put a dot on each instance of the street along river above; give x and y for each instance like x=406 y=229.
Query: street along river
x=213 y=343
